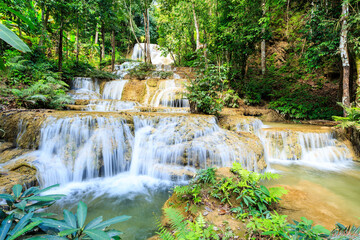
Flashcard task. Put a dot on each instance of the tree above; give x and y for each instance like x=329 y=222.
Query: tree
x=345 y=54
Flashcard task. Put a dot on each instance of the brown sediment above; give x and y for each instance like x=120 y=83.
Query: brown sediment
x=310 y=200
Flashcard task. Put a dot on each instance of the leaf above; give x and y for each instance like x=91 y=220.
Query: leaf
x=29 y=191
x=320 y=229
x=81 y=214
x=22 y=17
x=21 y=205
x=9 y=37
x=68 y=232
x=112 y=221
x=5 y=226
x=59 y=225
x=7 y=197
x=94 y=222
x=70 y=218
x=25 y=229
x=2 y=64
x=17 y=190
x=41 y=198
x=48 y=188
x=113 y=233
x=48 y=237
x=22 y=223
x=265 y=190
x=97 y=234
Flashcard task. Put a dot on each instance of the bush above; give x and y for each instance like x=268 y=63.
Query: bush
x=142 y=71
x=203 y=92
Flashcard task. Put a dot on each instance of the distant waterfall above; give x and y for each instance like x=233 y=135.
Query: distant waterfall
x=155 y=53
x=169 y=95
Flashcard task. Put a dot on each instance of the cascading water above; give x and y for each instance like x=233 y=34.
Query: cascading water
x=87 y=147
x=123 y=69
x=114 y=89
x=169 y=95
x=156 y=54
x=317 y=149
x=320 y=150
x=85 y=88
x=110 y=105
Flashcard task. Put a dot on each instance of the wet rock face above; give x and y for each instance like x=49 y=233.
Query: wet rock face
x=15 y=169
x=354 y=136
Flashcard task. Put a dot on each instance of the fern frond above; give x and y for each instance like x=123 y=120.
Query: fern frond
x=177 y=222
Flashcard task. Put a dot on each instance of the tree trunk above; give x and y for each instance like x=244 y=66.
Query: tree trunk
x=148 y=36
x=103 y=40
x=345 y=54
x=263 y=43
x=113 y=50
x=96 y=35
x=196 y=28
x=145 y=31
x=60 y=50
x=41 y=42
x=358 y=81
x=77 y=42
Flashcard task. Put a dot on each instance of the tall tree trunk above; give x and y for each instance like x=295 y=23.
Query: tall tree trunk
x=133 y=30
x=41 y=42
x=145 y=31
x=358 y=81
x=60 y=49
x=287 y=17
x=77 y=41
x=263 y=43
x=148 y=36
x=345 y=54
x=113 y=50
x=103 y=40
x=96 y=34
x=196 y=28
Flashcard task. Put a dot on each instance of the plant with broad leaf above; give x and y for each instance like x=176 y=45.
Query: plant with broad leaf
x=73 y=226
x=20 y=202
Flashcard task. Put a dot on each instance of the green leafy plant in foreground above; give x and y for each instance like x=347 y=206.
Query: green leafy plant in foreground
x=20 y=215
x=73 y=226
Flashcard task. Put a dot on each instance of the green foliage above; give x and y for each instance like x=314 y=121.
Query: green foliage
x=298 y=103
x=352 y=118
x=342 y=232
x=142 y=71
x=231 y=99
x=9 y=37
x=10 y=230
x=305 y=230
x=163 y=74
x=20 y=215
x=204 y=90
x=274 y=226
x=20 y=202
x=75 y=69
x=184 y=229
x=73 y=226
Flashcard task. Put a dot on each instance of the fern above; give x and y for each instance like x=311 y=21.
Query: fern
x=182 y=190
x=177 y=222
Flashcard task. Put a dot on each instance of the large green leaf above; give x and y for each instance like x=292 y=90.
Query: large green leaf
x=22 y=17
x=70 y=218
x=5 y=226
x=68 y=232
x=24 y=230
x=81 y=213
x=17 y=189
x=112 y=221
x=7 y=197
x=97 y=234
x=57 y=224
x=9 y=37
x=94 y=222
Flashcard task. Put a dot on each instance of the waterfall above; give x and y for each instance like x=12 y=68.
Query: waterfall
x=123 y=69
x=321 y=150
x=155 y=53
x=80 y=148
x=85 y=88
x=169 y=95
x=109 y=105
x=114 y=89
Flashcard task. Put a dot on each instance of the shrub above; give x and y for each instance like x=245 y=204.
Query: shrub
x=142 y=71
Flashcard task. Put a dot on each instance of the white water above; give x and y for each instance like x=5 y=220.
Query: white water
x=85 y=88
x=168 y=95
x=123 y=69
x=110 y=105
x=155 y=53
x=319 y=150
x=114 y=89
x=84 y=148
